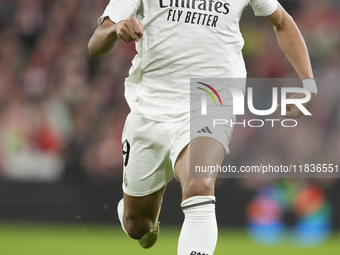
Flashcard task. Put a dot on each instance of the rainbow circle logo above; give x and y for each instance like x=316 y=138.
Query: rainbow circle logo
x=285 y=212
x=212 y=89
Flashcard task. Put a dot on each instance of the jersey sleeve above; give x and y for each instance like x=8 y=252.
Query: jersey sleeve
x=118 y=10
x=263 y=7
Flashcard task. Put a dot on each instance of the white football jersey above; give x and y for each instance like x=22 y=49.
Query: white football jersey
x=182 y=39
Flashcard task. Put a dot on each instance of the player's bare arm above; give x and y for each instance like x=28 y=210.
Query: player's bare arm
x=293 y=45
x=106 y=36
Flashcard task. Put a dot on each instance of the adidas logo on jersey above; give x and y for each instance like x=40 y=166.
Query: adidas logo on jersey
x=204 y=130
x=198 y=253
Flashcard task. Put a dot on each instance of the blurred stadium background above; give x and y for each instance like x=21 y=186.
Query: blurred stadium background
x=61 y=117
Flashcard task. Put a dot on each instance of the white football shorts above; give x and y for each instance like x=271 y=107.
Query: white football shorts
x=150 y=148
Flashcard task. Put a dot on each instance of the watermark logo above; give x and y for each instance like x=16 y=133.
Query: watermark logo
x=239 y=100
x=204 y=98
x=271 y=95
x=267 y=145
x=213 y=90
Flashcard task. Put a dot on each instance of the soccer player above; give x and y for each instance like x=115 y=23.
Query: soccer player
x=177 y=40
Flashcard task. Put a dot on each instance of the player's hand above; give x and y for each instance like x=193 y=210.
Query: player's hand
x=129 y=30
x=292 y=111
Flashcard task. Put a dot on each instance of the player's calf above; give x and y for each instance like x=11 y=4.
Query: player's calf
x=136 y=230
x=137 y=225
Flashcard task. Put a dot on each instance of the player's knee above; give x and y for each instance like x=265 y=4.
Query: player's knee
x=137 y=226
x=198 y=187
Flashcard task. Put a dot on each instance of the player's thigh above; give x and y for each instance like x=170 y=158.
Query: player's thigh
x=201 y=151
x=207 y=147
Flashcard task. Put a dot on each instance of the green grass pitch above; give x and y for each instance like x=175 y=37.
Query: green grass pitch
x=34 y=239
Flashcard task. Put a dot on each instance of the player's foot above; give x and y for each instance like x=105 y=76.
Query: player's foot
x=150 y=238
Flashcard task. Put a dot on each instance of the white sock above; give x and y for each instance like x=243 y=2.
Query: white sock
x=120 y=211
x=199 y=230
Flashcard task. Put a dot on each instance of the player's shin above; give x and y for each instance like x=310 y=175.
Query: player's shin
x=199 y=230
